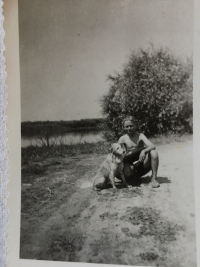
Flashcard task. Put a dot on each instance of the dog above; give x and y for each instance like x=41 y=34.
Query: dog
x=112 y=166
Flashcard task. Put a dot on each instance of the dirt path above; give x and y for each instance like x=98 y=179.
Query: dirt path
x=141 y=226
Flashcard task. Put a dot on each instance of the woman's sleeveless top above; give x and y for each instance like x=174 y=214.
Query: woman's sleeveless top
x=132 y=144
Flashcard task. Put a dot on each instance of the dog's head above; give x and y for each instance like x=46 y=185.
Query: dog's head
x=119 y=149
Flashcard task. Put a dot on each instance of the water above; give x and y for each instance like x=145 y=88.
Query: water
x=68 y=138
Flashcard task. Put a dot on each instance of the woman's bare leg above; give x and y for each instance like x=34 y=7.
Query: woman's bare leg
x=130 y=175
x=127 y=171
x=153 y=160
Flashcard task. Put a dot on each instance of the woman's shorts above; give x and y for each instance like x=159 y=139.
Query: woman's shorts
x=134 y=156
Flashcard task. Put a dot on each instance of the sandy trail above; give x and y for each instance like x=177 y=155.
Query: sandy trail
x=141 y=226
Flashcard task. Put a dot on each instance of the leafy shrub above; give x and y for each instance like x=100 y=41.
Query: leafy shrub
x=155 y=88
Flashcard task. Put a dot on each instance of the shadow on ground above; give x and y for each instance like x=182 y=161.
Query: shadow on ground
x=144 y=180
x=161 y=180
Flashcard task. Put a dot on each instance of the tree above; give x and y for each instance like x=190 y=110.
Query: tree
x=155 y=88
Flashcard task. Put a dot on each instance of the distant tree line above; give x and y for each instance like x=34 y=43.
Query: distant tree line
x=36 y=128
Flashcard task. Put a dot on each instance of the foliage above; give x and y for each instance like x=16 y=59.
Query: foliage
x=156 y=89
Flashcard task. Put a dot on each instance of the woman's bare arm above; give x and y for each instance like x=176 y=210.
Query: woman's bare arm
x=149 y=145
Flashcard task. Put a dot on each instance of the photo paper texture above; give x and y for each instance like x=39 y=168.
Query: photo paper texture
x=85 y=67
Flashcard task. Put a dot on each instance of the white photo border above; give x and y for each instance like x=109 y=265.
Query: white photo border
x=13 y=112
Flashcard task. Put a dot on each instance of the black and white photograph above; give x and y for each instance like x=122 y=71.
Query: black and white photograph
x=106 y=89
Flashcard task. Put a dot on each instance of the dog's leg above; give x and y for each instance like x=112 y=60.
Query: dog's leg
x=112 y=180
x=124 y=180
x=99 y=183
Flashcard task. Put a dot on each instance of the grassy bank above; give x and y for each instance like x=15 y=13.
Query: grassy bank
x=36 y=160
x=39 y=153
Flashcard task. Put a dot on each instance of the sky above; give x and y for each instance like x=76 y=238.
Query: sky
x=67 y=49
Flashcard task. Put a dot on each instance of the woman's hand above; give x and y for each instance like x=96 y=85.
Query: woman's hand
x=142 y=156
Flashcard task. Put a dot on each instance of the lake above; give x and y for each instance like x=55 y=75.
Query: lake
x=67 y=138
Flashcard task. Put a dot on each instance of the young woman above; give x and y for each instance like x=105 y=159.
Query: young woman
x=139 y=148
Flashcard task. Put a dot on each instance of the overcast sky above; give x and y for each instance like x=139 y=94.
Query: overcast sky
x=67 y=48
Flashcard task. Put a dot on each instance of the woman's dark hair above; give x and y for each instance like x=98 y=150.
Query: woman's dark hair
x=129 y=118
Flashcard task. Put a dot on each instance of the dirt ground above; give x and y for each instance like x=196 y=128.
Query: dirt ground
x=63 y=219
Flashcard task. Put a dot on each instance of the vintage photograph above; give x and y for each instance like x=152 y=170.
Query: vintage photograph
x=107 y=132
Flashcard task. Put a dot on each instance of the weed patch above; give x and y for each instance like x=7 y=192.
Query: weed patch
x=39 y=153
x=148 y=256
x=152 y=224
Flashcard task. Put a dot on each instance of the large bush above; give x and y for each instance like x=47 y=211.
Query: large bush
x=155 y=88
